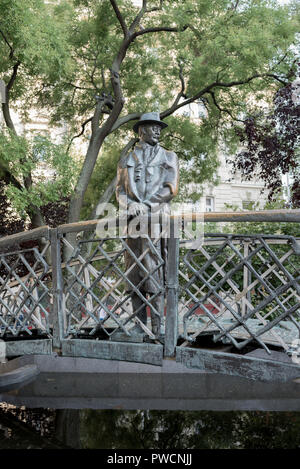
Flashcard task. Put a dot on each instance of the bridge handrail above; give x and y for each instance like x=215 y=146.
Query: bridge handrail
x=273 y=216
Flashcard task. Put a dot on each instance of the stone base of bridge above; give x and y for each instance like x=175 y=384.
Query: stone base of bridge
x=76 y=382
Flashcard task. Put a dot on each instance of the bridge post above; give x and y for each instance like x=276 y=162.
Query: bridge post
x=57 y=288
x=171 y=329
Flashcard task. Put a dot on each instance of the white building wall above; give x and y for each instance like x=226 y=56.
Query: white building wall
x=232 y=191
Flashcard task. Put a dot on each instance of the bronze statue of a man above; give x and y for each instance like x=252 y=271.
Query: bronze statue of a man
x=146 y=183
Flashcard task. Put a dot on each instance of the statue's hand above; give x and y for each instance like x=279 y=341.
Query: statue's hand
x=137 y=208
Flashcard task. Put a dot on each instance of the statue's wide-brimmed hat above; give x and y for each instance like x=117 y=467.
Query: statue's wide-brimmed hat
x=149 y=118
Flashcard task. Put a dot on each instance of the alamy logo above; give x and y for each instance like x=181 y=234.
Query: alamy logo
x=188 y=225
x=2 y=91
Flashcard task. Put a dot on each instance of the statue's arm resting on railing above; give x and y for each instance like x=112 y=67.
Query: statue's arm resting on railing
x=169 y=186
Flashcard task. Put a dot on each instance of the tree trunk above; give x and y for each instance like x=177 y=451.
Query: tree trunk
x=33 y=211
x=84 y=178
x=104 y=200
x=109 y=191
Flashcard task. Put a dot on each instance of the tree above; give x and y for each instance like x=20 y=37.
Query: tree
x=9 y=222
x=109 y=61
x=33 y=49
x=271 y=142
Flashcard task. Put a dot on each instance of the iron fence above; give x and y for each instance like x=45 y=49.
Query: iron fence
x=26 y=292
x=241 y=289
x=71 y=287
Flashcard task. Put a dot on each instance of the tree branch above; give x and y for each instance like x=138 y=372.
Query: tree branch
x=120 y=17
x=155 y=8
x=9 y=178
x=271 y=75
x=80 y=134
x=123 y=120
x=138 y=17
x=11 y=55
x=5 y=106
x=116 y=108
x=13 y=77
x=135 y=116
x=115 y=78
x=236 y=4
x=115 y=70
x=158 y=29
x=77 y=87
x=33 y=211
x=208 y=88
x=222 y=109
x=181 y=92
x=141 y=13
x=109 y=191
x=92 y=75
x=103 y=78
x=102 y=101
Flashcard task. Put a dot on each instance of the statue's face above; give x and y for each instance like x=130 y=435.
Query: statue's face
x=150 y=133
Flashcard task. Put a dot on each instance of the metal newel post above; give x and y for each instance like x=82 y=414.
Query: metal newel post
x=171 y=330
x=57 y=289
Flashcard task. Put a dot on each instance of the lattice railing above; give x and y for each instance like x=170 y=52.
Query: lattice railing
x=98 y=289
x=236 y=288
x=241 y=288
x=26 y=292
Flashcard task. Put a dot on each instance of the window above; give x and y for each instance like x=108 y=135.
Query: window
x=187 y=112
x=209 y=204
x=201 y=110
x=40 y=146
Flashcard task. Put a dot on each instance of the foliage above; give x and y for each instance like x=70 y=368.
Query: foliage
x=56 y=213
x=272 y=143
x=196 y=147
x=222 y=44
x=33 y=37
x=10 y=223
x=97 y=65
x=33 y=51
x=24 y=157
x=104 y=172
x=271 y=228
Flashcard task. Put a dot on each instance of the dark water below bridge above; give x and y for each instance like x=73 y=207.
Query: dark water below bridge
x=24 y=428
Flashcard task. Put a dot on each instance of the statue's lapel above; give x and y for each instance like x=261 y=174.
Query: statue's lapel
x=158 y=156
x=157 y=153
x=135 y=158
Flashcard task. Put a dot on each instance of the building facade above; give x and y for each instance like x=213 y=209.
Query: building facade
x=231 y=192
